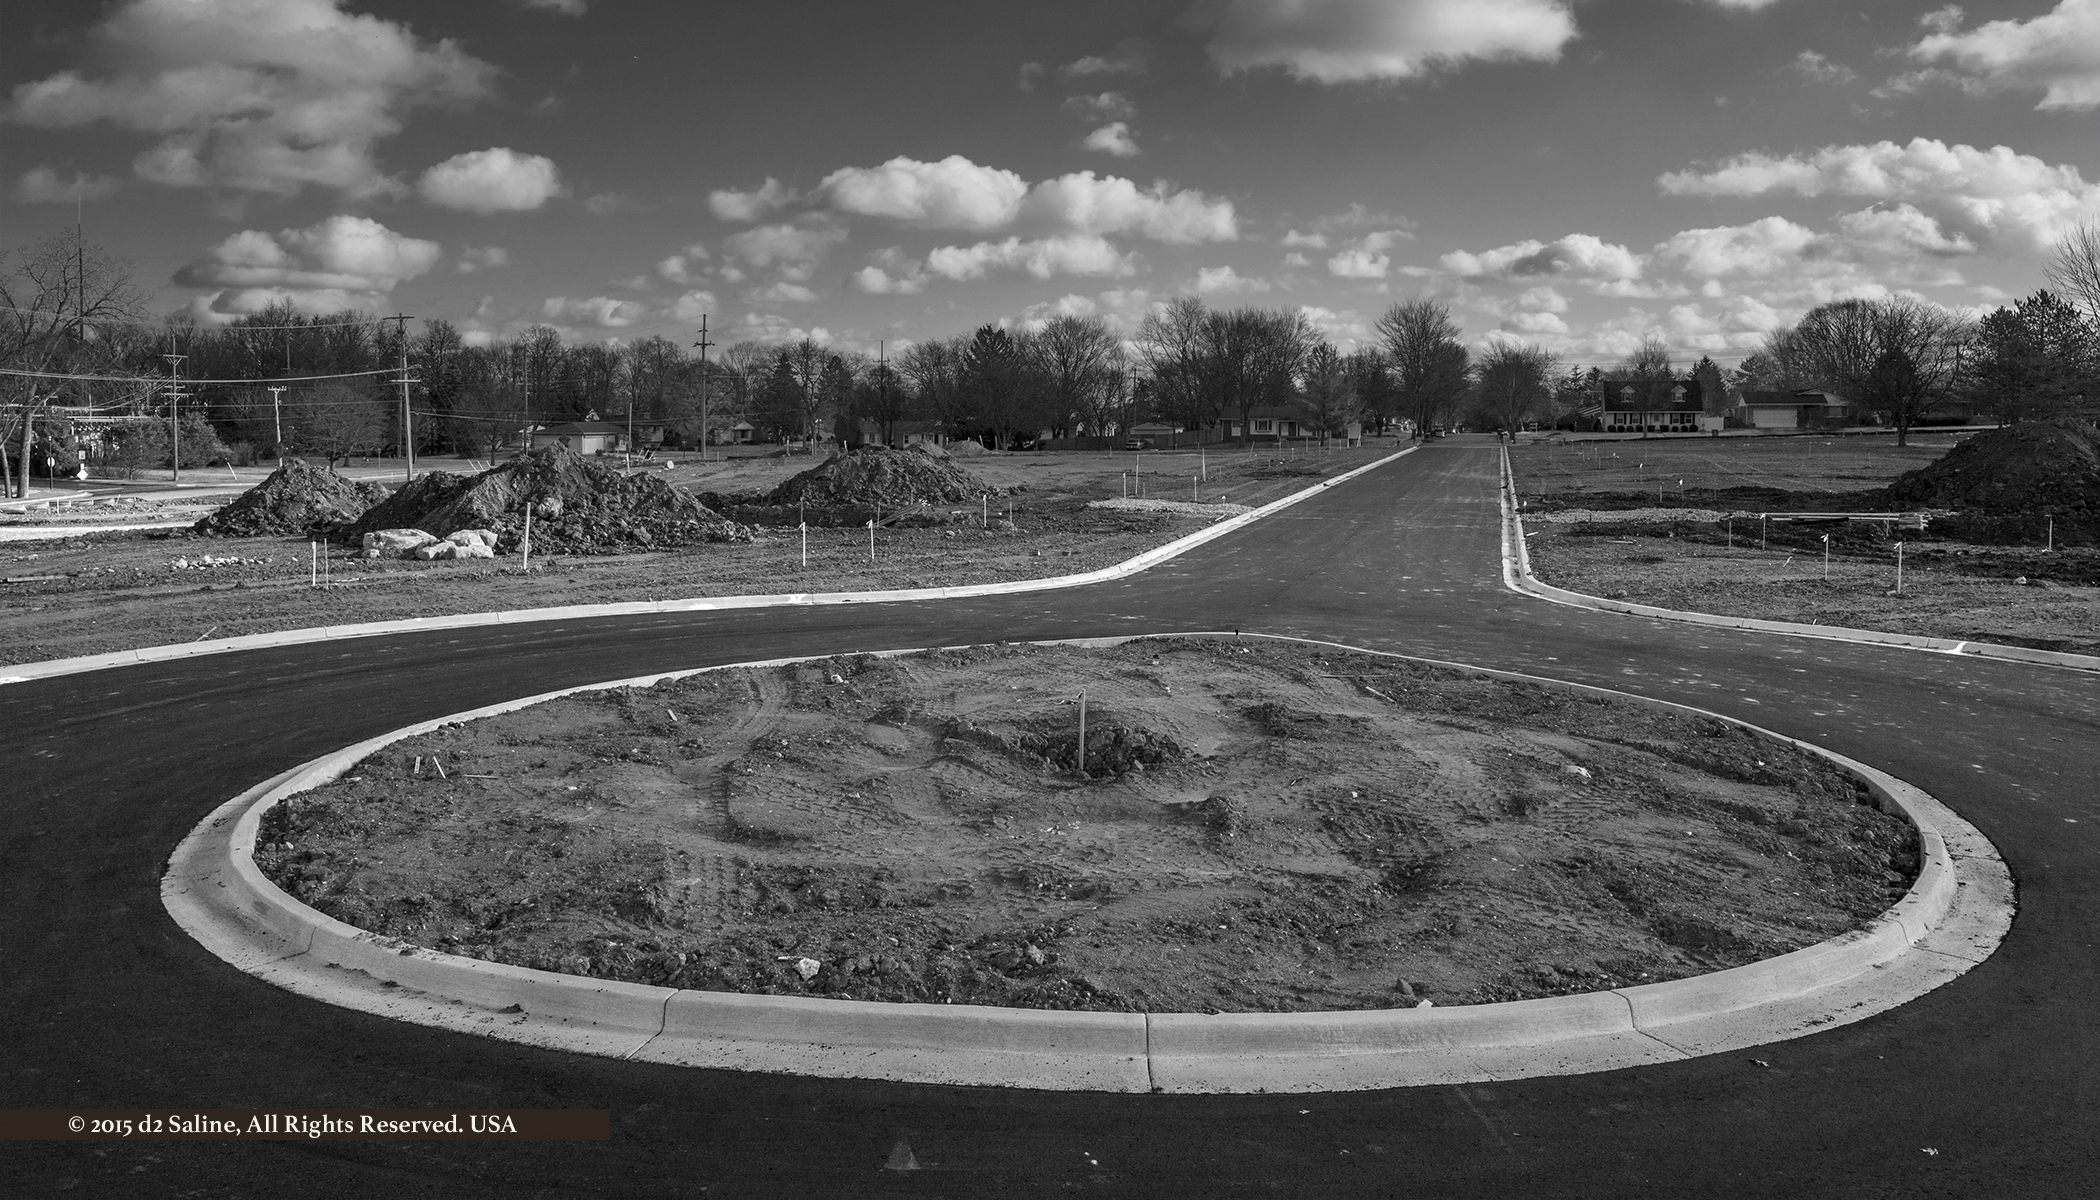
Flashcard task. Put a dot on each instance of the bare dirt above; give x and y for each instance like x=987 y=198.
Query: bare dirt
x=102 y=592
x=582 y=507
x=1261 y=827
x=297 y=498
x=1682 y=525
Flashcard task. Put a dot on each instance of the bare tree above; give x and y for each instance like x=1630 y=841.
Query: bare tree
x=338 y=418
x=1515 y=382
x=1173 y=350
x=1329 y=388
x=2075 y=267
x=934 y=369
x=61 y=302
x=1649 y=370
x=1430 y=367
x=1254 y=356
x=1893 y=355
x=1081 y=365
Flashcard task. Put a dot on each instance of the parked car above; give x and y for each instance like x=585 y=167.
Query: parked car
x=1139 y=444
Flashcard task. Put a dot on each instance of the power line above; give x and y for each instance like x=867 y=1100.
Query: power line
x=137 y=378
x=237 y=328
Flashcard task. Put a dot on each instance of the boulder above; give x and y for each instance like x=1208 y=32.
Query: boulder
x=473 y=537
x=397 y=543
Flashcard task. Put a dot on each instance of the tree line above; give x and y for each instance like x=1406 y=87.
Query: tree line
x=69 y=310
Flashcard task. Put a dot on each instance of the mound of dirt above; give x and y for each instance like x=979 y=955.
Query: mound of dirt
x=297 y=498
x=580 y=507
x=2010 y=478
x=968 y=448
x=875 y=475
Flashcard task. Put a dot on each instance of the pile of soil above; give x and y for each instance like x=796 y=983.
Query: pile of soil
x=2007 y=484
x=1260 y=828
x=580 y=507
x=297 y=498
x=877 y=475
x=967 y=448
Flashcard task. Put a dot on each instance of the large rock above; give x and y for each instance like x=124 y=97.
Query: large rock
x=396 y=543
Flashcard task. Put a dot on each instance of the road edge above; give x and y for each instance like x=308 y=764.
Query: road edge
x=1518 y=577
x=25 y=672
x=1951 y=918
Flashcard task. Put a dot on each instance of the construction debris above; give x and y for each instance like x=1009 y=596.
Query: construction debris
x=578 y=507
x=297 y=498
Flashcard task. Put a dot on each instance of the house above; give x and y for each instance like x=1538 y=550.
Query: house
x=903 y=434
x=743 y=433
x=1808 y=408
x=1153 y=430
x=1282 y=421
x=1626 y=406
x=583 y=437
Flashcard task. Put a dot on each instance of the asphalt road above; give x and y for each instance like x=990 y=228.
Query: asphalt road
x=1987 y=1087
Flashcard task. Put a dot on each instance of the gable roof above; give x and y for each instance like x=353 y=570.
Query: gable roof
x=583 y=429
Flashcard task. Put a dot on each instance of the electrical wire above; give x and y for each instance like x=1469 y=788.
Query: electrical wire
x=228 y=328
x=184 y=379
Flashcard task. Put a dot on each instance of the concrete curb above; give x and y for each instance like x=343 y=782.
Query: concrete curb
x=1517 y=576
x=23 y=672
x=1952 y=917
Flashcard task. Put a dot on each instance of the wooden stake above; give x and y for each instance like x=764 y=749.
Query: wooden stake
x=1082 y=733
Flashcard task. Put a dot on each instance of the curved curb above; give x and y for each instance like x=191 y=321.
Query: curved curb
x=1952 y=918
x=1517 y=576
x=23 y=672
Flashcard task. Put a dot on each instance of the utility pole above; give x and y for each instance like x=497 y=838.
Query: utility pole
x=277 y=413
x=882 y=377
x=174 y=395
x=703 y=343
x=408 y=426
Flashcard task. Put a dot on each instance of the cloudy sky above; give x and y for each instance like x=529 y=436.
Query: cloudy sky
x=1579 y=173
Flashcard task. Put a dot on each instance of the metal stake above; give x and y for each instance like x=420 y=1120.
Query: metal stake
x=1899 y=568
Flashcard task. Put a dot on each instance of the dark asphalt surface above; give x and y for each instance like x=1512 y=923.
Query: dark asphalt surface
x=108 y=1004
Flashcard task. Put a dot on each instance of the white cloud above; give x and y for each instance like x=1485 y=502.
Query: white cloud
x=1337 y=41
x=1346 y=328
x=1112 y=138
x=1215 y=281
x=1763 y=247
x=1087 y=203
x=1035 y=316
x=264 y=96
x=1901 y=230
x=1106 y=106
x=1130 y=57
x=566 y=8
x=1295 y=259
x=482 y=258
x=1578 y=256
x=1030 y=72
x=41 y=185
x=602 y=312
x=1994 y=197
x=2058 y=51
x=794 y=249
x=1359 y=263
x=340 y=262
x=678 y=268
x=1356 y=216
x=781 y=293
x=1311 y=241
x=1815 y=68
x=772 y=328
x=605 y=204
x=1069 y=254
x=890 y=272
x=495 y=180
x=953 y=193
x=745 y=207
x=693 y=305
